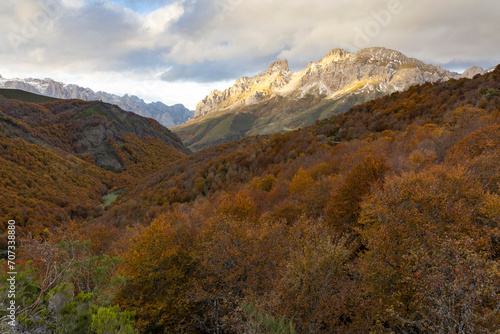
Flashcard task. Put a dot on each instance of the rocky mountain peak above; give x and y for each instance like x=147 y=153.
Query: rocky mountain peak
x=374 y=71
x=472 y=71
x=336 y=55
x=279 y=66
x=248 y=90
x=383 y=55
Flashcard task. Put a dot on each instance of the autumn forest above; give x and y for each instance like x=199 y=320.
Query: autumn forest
x=383 y=219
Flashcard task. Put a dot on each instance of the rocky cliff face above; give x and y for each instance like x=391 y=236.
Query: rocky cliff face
x=166 y=115
x=246 y=90
x=337 y=74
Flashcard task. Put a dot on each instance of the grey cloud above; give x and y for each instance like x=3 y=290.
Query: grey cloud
x=216 y=70
x=96 y=29
x=197 y=19
x=94 y=34
x=225 y=39
x=198 y=73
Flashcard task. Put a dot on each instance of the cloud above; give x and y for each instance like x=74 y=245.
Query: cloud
x=205 y=72
x=209 y=40
x=436 y=32
x=215 y=70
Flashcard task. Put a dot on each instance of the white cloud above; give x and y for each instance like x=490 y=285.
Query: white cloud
x=220 y=40
x=158 y=21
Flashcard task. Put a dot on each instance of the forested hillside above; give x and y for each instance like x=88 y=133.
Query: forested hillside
x=59 y=157
x=382 y=219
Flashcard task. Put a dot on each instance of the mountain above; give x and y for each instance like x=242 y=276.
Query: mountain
x=222 y=165
x=373 y=220
x=338 y=73
x=384 y=218
x=166 y=115
x=279 y=100
x=59 y=157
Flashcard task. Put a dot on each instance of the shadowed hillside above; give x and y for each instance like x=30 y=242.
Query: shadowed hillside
x=59 y=157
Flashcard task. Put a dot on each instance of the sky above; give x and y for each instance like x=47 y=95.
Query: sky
x=177 y=51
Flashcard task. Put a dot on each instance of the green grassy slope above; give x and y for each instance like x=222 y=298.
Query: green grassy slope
x=276 y=115
x=21 y=95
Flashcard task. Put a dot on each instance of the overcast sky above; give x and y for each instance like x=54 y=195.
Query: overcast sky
x=177 y=51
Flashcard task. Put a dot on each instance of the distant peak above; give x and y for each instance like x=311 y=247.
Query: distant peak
x=381 y=52
x=278 y=65
x=336 y=55
x=472 y=71
x=372 y=72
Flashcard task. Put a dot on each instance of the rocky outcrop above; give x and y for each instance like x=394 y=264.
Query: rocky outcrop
x=472 y=71
x=166 y=115
x=248 y=90
x=337 y=74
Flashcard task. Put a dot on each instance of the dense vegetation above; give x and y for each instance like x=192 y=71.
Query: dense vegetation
x=382 y=219
x=59 y=157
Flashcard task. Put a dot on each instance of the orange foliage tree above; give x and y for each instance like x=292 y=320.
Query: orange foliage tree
x=407 y=227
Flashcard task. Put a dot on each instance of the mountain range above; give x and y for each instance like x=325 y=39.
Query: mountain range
x=279 y=100
x=373 y=220
x=165 y=115
x=276 y=100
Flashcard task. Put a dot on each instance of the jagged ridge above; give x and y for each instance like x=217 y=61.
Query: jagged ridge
x=166 y=115
x=338 y=73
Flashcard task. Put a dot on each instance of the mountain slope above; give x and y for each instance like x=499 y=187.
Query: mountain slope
x=21 y=95
x=220 y=167
x=59 y=157
x=166 y=115
x=375 y=220
x=278 y=99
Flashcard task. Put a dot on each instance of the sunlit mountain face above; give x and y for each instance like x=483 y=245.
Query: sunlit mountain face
x=279 y=100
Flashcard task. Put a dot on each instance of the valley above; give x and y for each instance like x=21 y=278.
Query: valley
x=249 y=167
x=370 y=218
